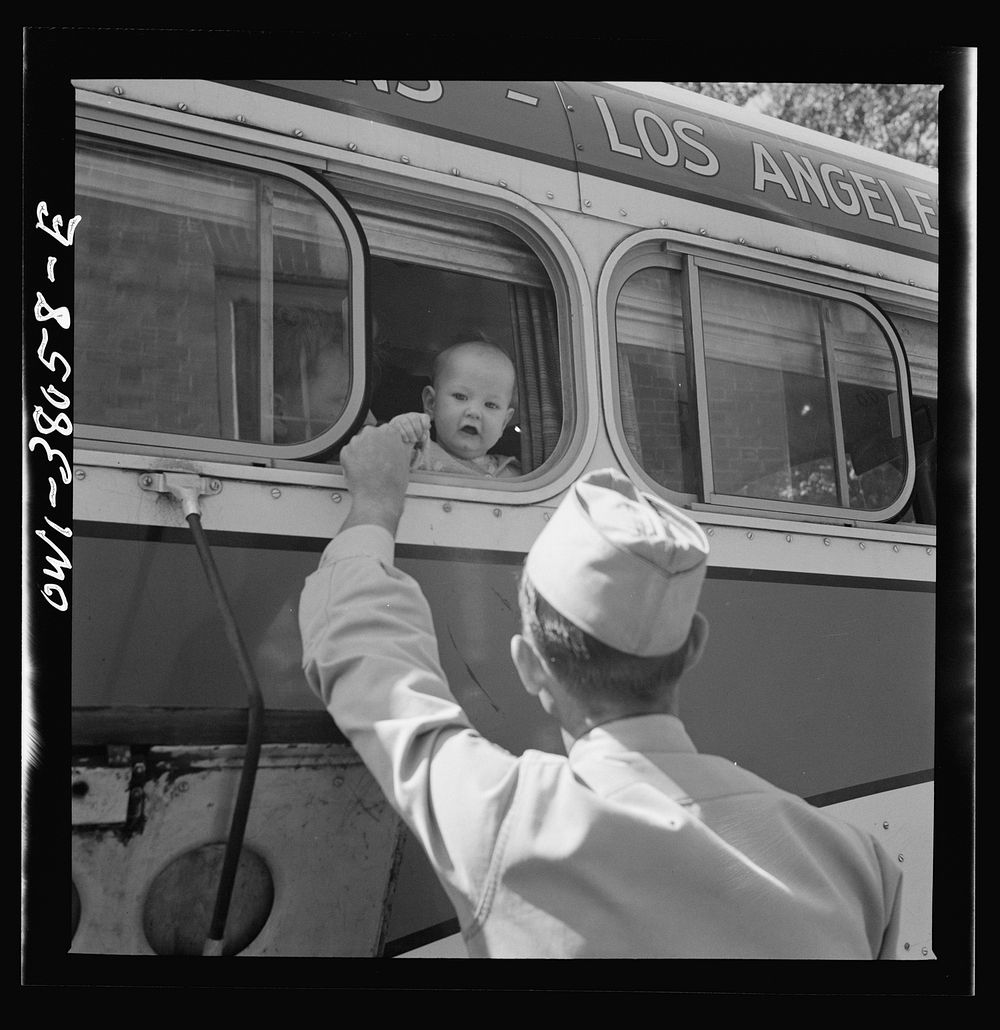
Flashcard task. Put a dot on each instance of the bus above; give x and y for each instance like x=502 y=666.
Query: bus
x=737 y=313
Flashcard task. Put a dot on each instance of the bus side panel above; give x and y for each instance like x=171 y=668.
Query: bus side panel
x=815 y=684
x=841 y=698
x=903 y=821
x=318 y=825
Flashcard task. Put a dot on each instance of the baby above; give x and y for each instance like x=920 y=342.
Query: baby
x=470 y=406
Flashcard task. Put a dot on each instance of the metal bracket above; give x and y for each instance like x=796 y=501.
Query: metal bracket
x=186 y=487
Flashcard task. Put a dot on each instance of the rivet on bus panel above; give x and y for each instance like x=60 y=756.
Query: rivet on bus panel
x=895 y=547
x=930 y=550
x=586 y=203
x=777 y=250
x=849 y=268
x=497 y=512
x=352 y=146
x=182 y=106
x=118 y=91
x=502 y=184
x=298 y=133
x=275 y=493
x=899 y=857
x=742 y=241
x=446 y=506
x=455 y=171
x=549 y=194
x=909 y=282
x=569 y=107
x=703 y=232
x=749 y=536
x=546 y=516
x=906 y=946
x=80 y=474
x=241 y=118
x=826 y=541
x=710 y=532
x=788 y=538
x=885 y=825
x=663 y=223
x=579 y=146
x=405 y=159
x=622 y=212
x=861 y=544
x=336 y=498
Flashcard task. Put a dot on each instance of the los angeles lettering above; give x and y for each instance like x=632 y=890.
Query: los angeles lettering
x=848 y=190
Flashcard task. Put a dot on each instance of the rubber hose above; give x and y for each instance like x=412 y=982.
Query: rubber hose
x=255 y=726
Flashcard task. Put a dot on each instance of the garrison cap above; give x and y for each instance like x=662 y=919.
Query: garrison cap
x=623 y=565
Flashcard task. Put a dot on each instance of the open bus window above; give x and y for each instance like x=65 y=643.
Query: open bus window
x=439 y=278
x=210 y=300
x=762 y=396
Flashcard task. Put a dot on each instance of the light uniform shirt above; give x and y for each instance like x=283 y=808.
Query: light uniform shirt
x=635 y=845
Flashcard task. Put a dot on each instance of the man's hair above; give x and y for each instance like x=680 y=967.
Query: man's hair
x=594 y=672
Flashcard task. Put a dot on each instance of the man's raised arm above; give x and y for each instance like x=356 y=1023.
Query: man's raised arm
x=377 y=468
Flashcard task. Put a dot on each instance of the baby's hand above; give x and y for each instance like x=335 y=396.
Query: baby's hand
x=413 y=426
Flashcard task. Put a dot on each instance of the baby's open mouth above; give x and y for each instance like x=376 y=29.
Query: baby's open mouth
x=471 y=430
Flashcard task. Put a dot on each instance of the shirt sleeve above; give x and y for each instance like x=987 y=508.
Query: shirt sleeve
x=370 y=652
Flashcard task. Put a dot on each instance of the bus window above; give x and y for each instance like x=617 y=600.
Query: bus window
x=438 y=278
x=211 y=302
x=748 y=389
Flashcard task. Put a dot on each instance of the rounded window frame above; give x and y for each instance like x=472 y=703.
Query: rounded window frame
x=518 y=216
x=657 y=249
x=356 y=248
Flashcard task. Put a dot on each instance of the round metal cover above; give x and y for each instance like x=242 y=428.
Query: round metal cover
x=178 y=909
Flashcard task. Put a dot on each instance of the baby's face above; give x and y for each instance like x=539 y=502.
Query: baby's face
x=470 y=401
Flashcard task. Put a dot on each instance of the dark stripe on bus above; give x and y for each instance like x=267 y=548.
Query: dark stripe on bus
x=409 y=124
x=754 y=210
x=484 y=556
x=864 y=790
x=569 y=164
x=412 y=941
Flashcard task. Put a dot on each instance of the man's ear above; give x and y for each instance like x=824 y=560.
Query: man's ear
x=697 y=639
x=534 y=673
x=427 y=395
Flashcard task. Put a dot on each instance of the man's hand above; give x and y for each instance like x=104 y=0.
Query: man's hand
x=377 y=467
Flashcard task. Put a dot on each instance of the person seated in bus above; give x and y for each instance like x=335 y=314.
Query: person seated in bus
x=633 y=844
x=309 y=409
x=468 y=406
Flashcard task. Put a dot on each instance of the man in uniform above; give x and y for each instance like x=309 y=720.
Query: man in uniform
x=631 y=845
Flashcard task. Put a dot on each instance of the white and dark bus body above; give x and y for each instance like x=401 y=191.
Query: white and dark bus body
x=739 y=314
